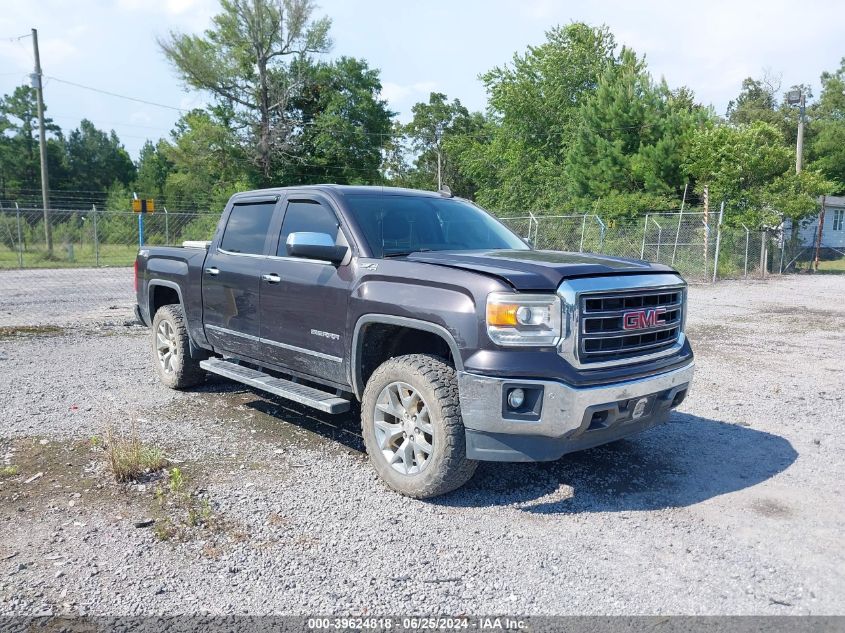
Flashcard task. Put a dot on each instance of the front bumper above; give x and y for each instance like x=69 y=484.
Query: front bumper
x=564 y=418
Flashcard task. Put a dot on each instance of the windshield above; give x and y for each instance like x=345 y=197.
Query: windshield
x=397 y=225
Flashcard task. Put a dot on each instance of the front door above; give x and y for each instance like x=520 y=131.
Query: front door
x=303 y=301
x=231 y=279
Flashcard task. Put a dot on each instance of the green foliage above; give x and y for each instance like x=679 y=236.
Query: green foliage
x=97 y=160
x=827 y=151
x=535 y=103
x=437 y=135
x=631 y=140
x=247 y=62
x=345 y=125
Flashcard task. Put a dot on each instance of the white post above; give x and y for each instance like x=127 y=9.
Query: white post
x=96 y=236
x=20 y=238
x=718 y=241
x=747 y=238
x=166 y=228
x=583 y=226
x=680 y=217
x=645 y=230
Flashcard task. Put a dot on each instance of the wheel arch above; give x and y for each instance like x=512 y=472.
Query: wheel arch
x=159 y=293
x=359 y=369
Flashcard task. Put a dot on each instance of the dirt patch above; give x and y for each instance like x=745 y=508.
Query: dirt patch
x=771 y=508
x=21 y=331
x=44 y=476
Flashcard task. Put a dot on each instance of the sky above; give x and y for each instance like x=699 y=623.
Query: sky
x=419 y=47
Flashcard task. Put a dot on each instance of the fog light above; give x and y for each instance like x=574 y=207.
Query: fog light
x=516 y=397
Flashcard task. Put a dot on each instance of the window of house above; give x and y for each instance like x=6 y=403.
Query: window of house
x=838 y=219
x=306 y=216
x=246 y=229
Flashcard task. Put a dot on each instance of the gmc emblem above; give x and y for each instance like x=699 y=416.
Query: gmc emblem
x=641 y=319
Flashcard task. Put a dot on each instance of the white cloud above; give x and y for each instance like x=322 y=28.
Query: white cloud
x=189 y=14
x=395 y=93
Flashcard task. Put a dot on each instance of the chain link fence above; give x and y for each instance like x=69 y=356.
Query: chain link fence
x=693 y=242
x=92 y=238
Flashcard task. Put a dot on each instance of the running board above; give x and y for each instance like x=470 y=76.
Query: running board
x=322 y=400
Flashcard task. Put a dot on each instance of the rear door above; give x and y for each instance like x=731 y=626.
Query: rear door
x=231 y=277
x=304 y=301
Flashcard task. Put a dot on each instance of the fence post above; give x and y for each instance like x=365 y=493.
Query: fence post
x=764 y=255
x=96 y=235
x=166 y=227
x=718 y=241
x=782 y=243
x=659 y=239
x=645 y=230
x=747 y=238
x=602 y=229
x=533 y=222
x=583 y=226
x=20 y=238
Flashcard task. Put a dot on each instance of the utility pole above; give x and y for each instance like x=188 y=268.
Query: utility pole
x=42 y=137
x=796 y=97
x=799 y=150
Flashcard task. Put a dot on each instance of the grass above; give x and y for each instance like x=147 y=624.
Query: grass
x=83 y=256
x=9 y=471
x=185 y=509
x=129 y=459
x=832 y=266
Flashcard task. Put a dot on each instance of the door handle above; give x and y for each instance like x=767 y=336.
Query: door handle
x=272 y=278
x=213 y=270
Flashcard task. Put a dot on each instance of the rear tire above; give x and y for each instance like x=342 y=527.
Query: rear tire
x=412 y=426
x=171 y=349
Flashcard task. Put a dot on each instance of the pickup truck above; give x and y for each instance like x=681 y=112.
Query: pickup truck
x=460 y=341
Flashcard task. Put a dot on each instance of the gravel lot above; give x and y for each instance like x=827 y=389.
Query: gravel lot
x=734 y=507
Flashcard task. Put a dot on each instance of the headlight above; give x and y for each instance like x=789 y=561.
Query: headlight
x=523 y=320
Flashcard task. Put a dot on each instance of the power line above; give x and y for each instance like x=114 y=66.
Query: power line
x=115 y=94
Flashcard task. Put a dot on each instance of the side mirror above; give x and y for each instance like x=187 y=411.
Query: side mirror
x=315 y=246
x=528 y=241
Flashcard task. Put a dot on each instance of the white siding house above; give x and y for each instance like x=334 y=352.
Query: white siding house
x=833 y=232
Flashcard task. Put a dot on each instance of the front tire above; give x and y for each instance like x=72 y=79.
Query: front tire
x=412 y=427
x=172 y=351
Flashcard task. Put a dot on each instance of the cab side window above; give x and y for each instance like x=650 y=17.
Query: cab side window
x=306 y=216
x=246 y=229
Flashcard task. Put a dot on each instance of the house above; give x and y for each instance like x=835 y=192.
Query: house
x=833 y=231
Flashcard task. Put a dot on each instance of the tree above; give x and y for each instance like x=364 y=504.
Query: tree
x=248 y=62
x=827 y=149
x=20 y=168
x=533 y=113
x=631 y=139
x=752 y=170
x=208 y=166
x=96 y=160
x=153 y=168
x=433 y=135
x=345 y=125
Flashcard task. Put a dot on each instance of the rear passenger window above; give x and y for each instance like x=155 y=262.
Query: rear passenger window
x=247 y=227
x=306 y=216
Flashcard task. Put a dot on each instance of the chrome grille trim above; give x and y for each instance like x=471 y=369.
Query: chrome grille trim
x=577 y=294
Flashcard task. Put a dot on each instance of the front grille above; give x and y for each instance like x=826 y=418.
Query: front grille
x=654 y=319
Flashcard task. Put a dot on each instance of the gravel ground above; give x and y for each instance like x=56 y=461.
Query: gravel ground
x=734 y=507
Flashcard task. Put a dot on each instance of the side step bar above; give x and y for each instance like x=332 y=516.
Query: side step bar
x=322 y=400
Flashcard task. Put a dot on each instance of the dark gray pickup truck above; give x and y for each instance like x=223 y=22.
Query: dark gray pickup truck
x=460 y=341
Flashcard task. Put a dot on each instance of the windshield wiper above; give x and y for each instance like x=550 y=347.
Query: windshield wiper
x=405 y=253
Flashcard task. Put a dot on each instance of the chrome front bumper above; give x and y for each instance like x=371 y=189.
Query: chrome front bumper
x=568 y=419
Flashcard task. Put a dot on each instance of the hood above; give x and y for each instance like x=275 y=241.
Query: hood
x=536 y=270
